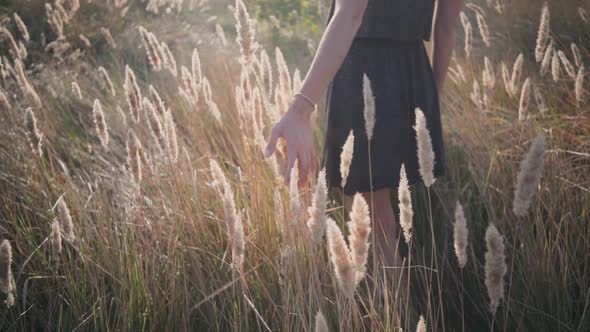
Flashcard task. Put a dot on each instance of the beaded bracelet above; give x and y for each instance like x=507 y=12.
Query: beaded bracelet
x=306 y=98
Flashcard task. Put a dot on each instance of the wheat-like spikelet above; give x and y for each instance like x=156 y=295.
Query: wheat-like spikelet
x=555 y=66
x=14 y=49
x=172 y=139
x=576 y=54
x=170 y=61
x=421 y=327
x=460 y=234
x=85 y=40
x=583 y=14
x=547 y=59
x=155 y=125
x=369 y=111
x=74 y=7
x=476 y=97
x=285 y=84
x=320 y=322
x=55 y=238
x=214 y=109
x=133 y=94
x=100 y=124
x=529 y=176
x=56 y=23
x=246 y=34
x=157 y=101
x=134 y=162
x=317 y=211
x=542 y=33
x=567 y=65
x=294 y=196
x=34 y=135
x=425 y=153
x=108 y=37
x=265 y=73
x=196 y=67
x=22 y=27
x=579 y=85
x=189 y=85
x=495 y=266
x=6 y=279
x=220 y=34
x=155 y=51
x=468 y=39
x=488 y=75
x=346 y=158
x=5 y=267
x=506 y=78
x=232 y=217
x=65 y=218
x=341 y=259
x=4 y=102
x=280 y=219
x=238 y=244
x=516 y=74
x=525 y=97
x=483 y=29
x=359 y=227
x=406 y=212
x=25 y=85
x=76 y=90
x=106 y=80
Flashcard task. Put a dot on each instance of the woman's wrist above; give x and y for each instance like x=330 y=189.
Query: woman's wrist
x=303 y=104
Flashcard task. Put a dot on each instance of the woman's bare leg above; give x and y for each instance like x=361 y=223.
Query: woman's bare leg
x=385 y=228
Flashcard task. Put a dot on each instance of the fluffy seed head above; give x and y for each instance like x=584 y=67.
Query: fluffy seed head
x=488 y=76
x=460 y=234
x=76 y=90
x=341 y=259
x=34 y=136
x=506 y=78
x=529 y=176
x=516 y=74
x=425 y=153
x=155 y=124
x=406 y=212
x=346 y=158
x=246 y=34
x=555 y=66
x=55 y=238
x=359 y=227
x=65 y=218
x=294 y=196
x=483 y=29
x=495 y=266
x=22 y=27
x=468 y=39
x=106 y=80
x=133 y=94
x=576 y=54
x=547 y=59
x=100 y=124
x=421 y=327
x=5 y=267
x=320 y=322
x=369 y=112
x=567 y=65
x=317 y=211
x=525 y=97
x=542 y=33
x=134 y=151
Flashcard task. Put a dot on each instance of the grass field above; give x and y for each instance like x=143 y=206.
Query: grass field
x=134 y=195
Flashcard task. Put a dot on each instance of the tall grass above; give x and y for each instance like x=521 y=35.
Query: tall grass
x=175 y=221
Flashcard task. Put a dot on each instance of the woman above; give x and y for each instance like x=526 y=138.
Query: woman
x=384 y=40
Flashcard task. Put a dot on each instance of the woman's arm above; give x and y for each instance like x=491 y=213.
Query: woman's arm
x=447 y=14
x=295 y=126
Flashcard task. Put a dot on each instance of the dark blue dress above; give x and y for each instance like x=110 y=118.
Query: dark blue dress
x=389 y=48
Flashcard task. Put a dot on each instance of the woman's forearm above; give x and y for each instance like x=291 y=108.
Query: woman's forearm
x=447 y=15
x=334 y=46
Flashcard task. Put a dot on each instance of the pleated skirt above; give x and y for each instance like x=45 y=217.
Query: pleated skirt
x=401 y=80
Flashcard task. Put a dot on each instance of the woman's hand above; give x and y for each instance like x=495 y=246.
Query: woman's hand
x=295 y=128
